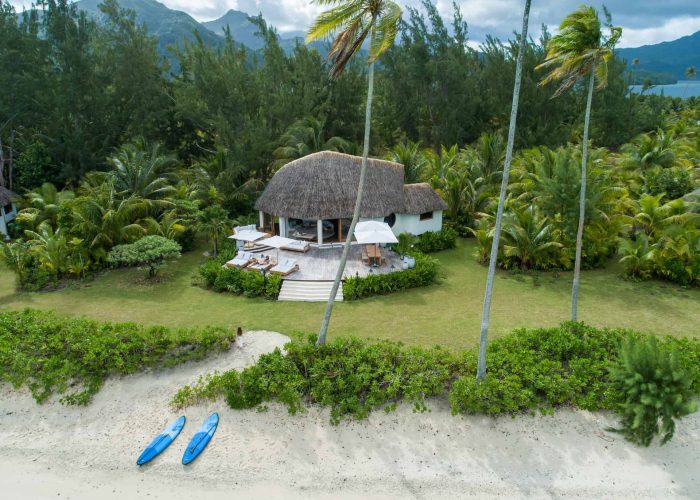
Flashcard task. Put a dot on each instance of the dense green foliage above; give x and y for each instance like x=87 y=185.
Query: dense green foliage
x=185 y=150
x=529 y=369
x=350 y=376
x=658 y=388
x=150 y=252
x=424 y=273
x=436 y=241
x=73 y=357
x=238 y=281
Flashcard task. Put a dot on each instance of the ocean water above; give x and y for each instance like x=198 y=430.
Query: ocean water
x=684 y=88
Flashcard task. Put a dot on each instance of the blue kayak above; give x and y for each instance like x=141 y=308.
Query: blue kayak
x=201 y=438
x=161 y=442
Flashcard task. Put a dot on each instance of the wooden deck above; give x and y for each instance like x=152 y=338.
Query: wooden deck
x=321 y=264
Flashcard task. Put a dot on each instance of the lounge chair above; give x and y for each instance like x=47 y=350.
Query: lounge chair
x=263 y=265
x=285 y=267
x=297 y=246
x=242 y=259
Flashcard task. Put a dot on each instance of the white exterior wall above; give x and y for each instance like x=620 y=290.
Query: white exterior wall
x=410 y=223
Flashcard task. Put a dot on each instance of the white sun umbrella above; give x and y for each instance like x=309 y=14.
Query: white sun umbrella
x=248 y=235
x=373 y=232
x=277 y=242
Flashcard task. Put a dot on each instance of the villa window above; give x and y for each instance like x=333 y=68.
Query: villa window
x=426 y=216
x=7 y=209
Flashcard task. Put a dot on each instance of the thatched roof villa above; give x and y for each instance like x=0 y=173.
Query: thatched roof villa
x=8 y=210
x=313 y=198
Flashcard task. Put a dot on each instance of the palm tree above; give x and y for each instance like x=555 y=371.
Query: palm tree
x=409 y=155
x=580 y=50
x=213 y=222
x=351 y=22
x=102 y=218
x=483 y=338
x=304 y=137
x=16 y=257
x=143 y=172
x=529 y=237
x=42 y=204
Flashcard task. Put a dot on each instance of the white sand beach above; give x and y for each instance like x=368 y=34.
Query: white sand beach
x=54 y=451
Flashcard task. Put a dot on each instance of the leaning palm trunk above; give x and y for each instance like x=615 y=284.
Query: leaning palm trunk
x=481 y=368
x=356 y=214
x=582 y=200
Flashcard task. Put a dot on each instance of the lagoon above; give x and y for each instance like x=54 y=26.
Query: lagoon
x=683 y=88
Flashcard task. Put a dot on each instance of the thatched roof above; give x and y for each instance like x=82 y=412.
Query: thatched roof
x=324 y=186
x=421 y=198
x=7 y=196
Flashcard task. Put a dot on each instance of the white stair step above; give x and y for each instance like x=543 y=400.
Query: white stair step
x=309 y=291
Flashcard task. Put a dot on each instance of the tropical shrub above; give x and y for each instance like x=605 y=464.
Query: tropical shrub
x=655 y=387
x=425 y=273
x=529 y=369
x=238 y=281
x=72 y=357
x=672 y=182
x=150 y=252
x=435 y=241
x=350 y=376
x=540 y=369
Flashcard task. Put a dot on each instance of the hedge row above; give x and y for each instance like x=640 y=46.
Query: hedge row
x=436 y=241
x=239 y=281
x=530 y=369
x=423 y=274
x=73 y=357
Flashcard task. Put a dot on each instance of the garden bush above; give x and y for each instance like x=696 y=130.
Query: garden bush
x=73 y=357
x=350 y=376
x=423 y=274
x=540 y=369
x=528 y=370
x=436 y=241
x=656 y=389
x=238 y=281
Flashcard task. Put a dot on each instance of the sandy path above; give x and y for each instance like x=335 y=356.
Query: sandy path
x=52 y=451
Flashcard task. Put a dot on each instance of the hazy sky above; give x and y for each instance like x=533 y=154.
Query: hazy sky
x=644 y=21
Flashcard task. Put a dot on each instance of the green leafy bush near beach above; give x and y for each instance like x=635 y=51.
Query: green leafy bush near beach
x=238 y=281
x=73 y=357
x=658 y=388
x=436 y=241
x=530 y=369
x=423 y=274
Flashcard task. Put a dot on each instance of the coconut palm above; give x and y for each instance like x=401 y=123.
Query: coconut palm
x=304 y=137
x=143 y=172
x=42 y=204
x=213 y=222
x=529 y=237
x=409 y=155
x=580 y=50
x=102 y=218
x=351 y=22
x=16 y=257
x=53 y=249
x=483 y=338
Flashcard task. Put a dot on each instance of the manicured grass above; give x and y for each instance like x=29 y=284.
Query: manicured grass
x=447 y=314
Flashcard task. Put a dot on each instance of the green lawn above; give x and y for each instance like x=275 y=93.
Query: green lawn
x=448 y=313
